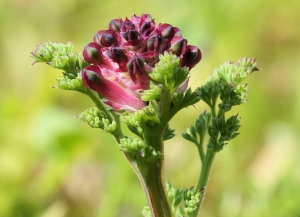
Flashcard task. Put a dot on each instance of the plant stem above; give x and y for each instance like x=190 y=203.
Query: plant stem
x=152 y=176
x=204 y=176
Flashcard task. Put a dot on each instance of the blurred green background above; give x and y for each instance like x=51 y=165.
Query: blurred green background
x=54 y=165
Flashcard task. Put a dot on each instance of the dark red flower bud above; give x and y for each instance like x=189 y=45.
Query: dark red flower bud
x=166 y=30
x=118 y=55
x=156 y=43
x=131 y=35
x=106 y=38
x=127 y=25
x=178 y=45
x=137 y=72
x=115 y=25
x=191 y=57
x=92 y=53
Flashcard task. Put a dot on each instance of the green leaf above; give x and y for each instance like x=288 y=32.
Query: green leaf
x=168 y=133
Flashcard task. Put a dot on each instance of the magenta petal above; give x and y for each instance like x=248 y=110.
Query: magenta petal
x=118 y=97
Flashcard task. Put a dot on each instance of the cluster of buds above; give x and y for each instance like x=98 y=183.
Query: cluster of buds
x=121 y=58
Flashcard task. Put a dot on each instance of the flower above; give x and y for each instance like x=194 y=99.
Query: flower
x=122 y=57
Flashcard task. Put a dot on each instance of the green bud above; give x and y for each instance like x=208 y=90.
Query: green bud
x=71 y=63
x=231 y=73
x=148 y=115
x=97 y=119
x=131 y=145
x=191 y=199
x=46 y=51
x=72 y=83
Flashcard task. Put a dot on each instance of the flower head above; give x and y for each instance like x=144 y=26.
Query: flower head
x=122 y=57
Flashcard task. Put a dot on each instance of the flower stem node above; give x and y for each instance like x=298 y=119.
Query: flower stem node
x=97 y=119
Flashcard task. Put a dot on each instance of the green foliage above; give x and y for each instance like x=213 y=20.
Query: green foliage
x=168 y=73
x=154 y=92
x=222 y=130
x=199 y=129
x=175 y=196
x=168 y=133
x=182 y=100
x=224 y=82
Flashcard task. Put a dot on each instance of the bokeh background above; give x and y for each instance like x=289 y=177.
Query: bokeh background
x=54 y=165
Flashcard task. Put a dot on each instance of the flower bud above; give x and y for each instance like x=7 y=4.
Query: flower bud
x=166 y=30
x=92 y=53
x=156 y=43
x=178 y=45
x=127 y=25
x=106 y=38
x=131 y=35
x=191 y=57
x=137 y=72
x=118 y=55
x=115 y=25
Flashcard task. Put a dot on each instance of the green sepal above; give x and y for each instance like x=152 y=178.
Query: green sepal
x=97 y=119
